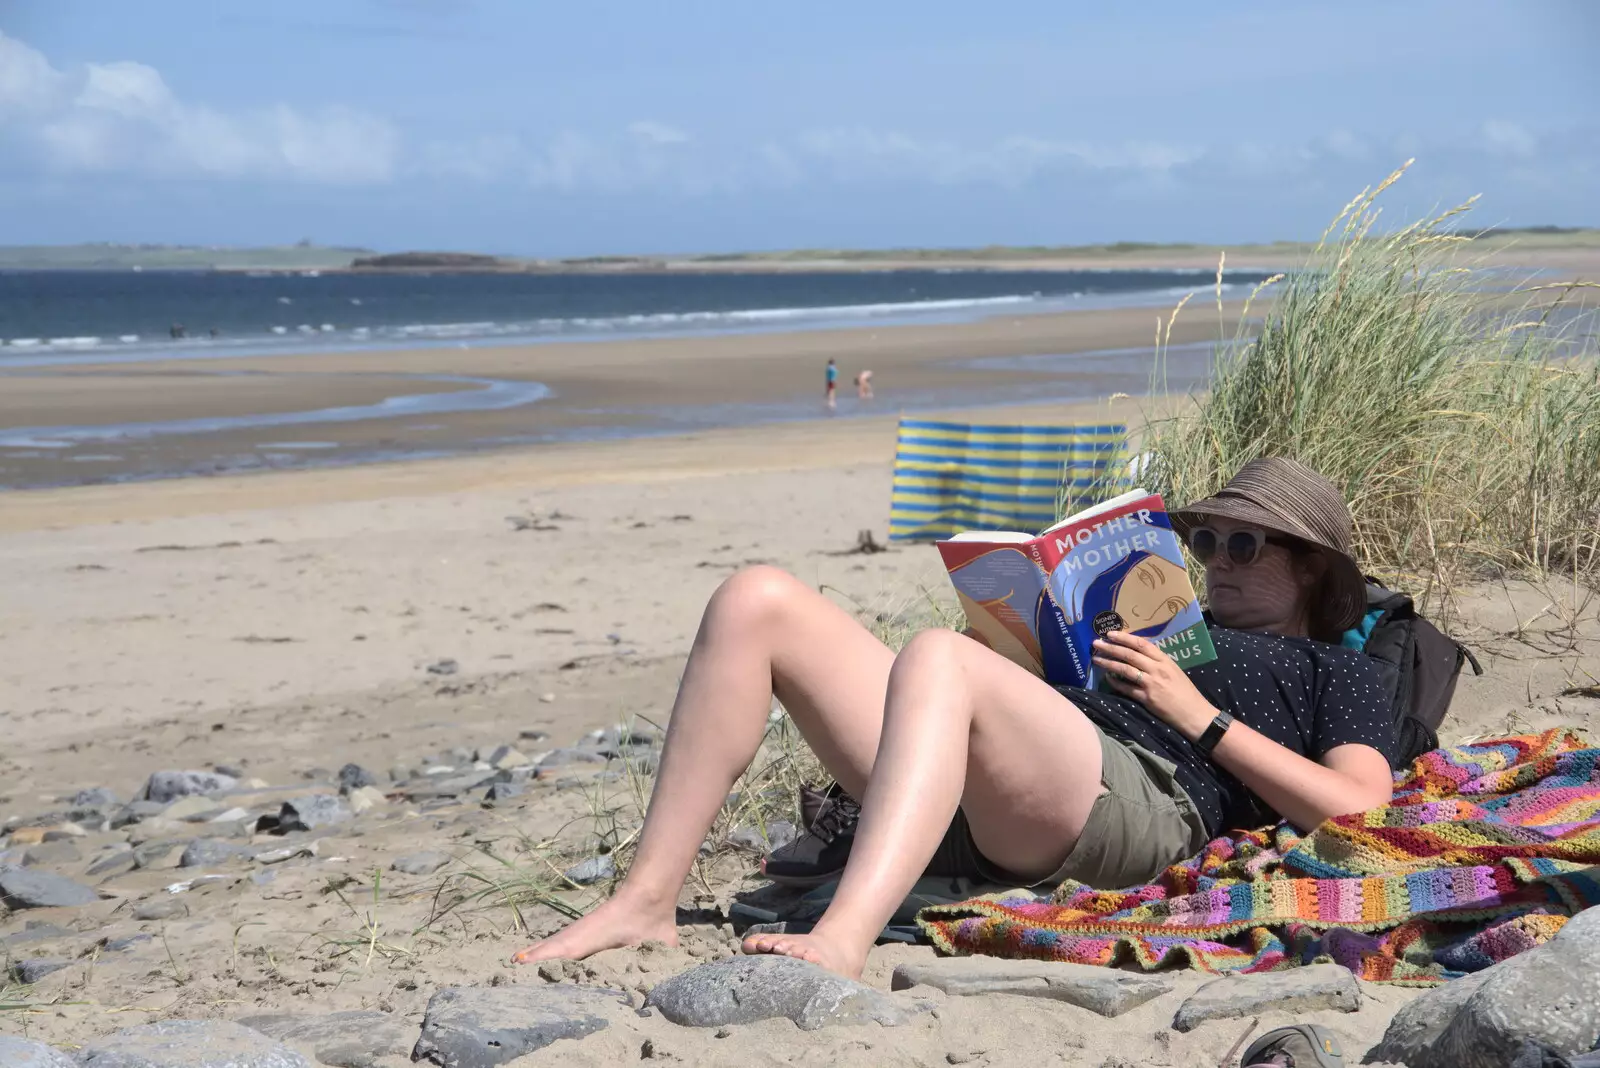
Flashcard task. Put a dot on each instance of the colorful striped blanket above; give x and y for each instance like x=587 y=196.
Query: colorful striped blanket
x=1486 y=850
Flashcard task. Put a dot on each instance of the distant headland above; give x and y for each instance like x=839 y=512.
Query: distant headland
x=1527 y=243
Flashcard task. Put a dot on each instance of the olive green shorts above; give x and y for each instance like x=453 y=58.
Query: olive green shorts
x=1142 y=822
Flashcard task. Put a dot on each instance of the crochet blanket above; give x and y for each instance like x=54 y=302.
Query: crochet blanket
x=1485 y=850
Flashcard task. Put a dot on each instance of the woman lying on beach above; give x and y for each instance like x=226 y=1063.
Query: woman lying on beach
x=950 y=741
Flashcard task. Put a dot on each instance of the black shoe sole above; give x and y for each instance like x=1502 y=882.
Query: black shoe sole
x=801 y=882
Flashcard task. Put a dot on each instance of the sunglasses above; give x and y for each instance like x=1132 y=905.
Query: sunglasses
x=1242 y=546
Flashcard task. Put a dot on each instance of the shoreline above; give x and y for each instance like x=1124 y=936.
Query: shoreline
x=116 y=421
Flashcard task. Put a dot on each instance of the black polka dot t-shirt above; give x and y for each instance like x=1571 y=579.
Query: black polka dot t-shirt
x=1308 y=696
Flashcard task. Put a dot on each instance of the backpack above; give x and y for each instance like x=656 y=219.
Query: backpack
x=1418 y=664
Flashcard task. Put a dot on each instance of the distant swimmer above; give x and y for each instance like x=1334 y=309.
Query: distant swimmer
x=832 y=376
x=177 y=330
x=864 y=385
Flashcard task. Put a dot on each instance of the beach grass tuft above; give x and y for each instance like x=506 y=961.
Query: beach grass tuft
x=1458 y=409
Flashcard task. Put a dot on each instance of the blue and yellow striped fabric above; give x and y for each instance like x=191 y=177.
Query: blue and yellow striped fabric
x=950 y=477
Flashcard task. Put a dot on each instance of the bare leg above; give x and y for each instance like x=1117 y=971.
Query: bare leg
x=964 y=726
x=764 y=632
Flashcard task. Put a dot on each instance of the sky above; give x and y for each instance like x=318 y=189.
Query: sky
x=636 y=126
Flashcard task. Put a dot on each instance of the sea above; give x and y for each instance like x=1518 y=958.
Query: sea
x=56 y=317
x=51 y=320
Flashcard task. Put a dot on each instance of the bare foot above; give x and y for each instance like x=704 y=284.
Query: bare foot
x=615 y=923
x=833 y=954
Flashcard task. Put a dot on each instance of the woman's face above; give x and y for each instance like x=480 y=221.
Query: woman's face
x=1271 y=593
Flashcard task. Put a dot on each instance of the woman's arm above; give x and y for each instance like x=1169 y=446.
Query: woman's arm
x=1349 y=778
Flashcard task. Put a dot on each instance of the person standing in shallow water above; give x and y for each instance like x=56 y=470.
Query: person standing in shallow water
x=950 y=744
x=831 y=386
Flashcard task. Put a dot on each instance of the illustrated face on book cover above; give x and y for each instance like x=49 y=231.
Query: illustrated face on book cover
x=1141 y=593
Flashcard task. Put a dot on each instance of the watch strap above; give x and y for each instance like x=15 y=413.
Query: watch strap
x=1213 y=733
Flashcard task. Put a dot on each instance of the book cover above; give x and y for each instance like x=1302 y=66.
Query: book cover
x=1041 y=600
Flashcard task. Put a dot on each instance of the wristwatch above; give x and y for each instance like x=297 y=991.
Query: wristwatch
x=1213 y=733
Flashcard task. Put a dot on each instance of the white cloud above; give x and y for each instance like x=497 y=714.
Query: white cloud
x=122 y=116
x=657 y=133
x=1503 y=138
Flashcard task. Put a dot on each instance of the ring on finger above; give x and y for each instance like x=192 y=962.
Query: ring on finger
x=1138 y=675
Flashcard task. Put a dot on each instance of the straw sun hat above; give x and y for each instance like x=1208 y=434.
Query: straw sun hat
x=1287 y=497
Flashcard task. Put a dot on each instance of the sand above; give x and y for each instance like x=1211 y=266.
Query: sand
x=284 y=624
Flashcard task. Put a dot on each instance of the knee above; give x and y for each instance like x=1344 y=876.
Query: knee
x=755 y=597
x=932 y=648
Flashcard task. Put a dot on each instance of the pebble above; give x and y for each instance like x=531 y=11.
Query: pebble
x=483 y=1027
x=443 y=667
x=122 y=945
x=1106 y=991
x=57 y=852
x=151 y=854
x=743 y=990
x=571 y=755
x=1317 y=986
x=31 y=971
x=192 y=808
x=425 y=863
x=312 y=811
x=119 y=862
x=189 y=1044
x=21 y=1053
x=502 y=791
x=165 y=907
x=506 y=756
x=366 y=798
x=209 y=852
x=353 y=777
x=134 y=812
x=165 y=786
x=24 y=888
x=593 y=870
x=96 y=797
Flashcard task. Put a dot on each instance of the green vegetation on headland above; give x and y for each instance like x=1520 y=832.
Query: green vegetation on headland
x=306 y=256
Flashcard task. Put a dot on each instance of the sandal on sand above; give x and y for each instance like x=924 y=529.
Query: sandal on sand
x=1300 y=1046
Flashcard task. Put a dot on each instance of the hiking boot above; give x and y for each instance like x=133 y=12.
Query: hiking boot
x=821 y=851
x=1300 y=1046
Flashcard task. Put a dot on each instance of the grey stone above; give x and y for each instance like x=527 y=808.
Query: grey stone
x=353 y=777
x=1419 y=1023
x=234 y=770
x=21 y=1053
x=1103 y=990
x=503 y=791
x=779 y=833
x=149 y=854
x=191 y=809
x=210 y=852
x=160 y=908
x=341 y=1039
x=189 y=1044
x=24 y=888
x=558 y=757
x=119 y=862
x=122 y=945
x=481 y=1027
x=593 y=870
x=50 y=853
x=95 y=797
x=532 y=734
x=443 y=667
x=425 y=863
x=1318 y=986
x=742 y=990
x=1549 y=994
x=31 y=971
x=313 y=811
x=448 y=785
x=67 y=832
x=136 y=811
x=505 y=756
x=166 y=786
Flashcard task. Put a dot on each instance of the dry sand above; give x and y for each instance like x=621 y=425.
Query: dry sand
x=284 y=623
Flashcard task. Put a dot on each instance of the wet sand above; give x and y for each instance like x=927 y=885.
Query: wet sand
x=598 y=390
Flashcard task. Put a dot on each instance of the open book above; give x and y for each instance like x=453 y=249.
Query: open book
x=1041 y=600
